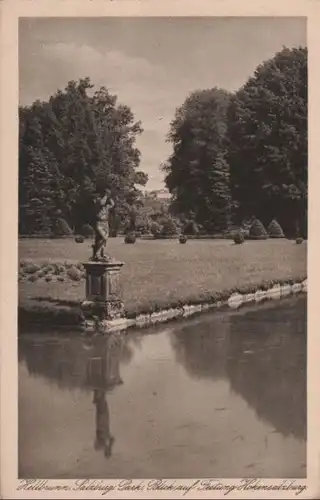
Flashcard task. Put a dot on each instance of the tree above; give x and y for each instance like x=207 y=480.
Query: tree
x=83 y=139
x=197 y=173
x=268 y=144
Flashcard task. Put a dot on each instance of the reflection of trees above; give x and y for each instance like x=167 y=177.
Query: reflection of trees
x=64 y=361
x=200 y=347
x=267 y=364
x=263 y=353
x=90 y=364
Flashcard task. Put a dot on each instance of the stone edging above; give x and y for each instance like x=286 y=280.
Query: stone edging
x=234 y=301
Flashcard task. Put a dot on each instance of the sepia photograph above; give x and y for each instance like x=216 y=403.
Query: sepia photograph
x=161 y=278
x=163 y=172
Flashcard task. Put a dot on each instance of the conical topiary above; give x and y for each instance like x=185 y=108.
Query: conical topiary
x=275 y=230
x=258 y=231
x=61 y=228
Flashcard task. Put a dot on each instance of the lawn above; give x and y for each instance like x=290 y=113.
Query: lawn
x=165 y=272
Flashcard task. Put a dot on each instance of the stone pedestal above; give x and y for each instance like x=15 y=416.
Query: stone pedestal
x=103 y=304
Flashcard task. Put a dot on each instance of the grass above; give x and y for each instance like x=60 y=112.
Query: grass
x=160 y=274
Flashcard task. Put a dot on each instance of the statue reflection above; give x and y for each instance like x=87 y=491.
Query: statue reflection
x=103 y=374
x=88 y=364
x=104 y=440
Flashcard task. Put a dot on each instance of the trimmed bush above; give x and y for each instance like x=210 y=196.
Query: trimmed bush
x=155 y=229
x=62 y=228
x=79 y=239
x=238 y=238
x=33 y=277
x=31 y=268
x=169 y=228
x=130 y=238
x=60 y=278
x=87 y=231
x=47 y=269
x=299 y=241
x=191 y=228
x=74 y=274
x=257 y=231
x=182 y=238
x=275 y=230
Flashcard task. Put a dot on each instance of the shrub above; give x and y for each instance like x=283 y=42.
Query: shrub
x=238 y=238
x=182 y=238
x=191 y=228
x=299 y=241
x=60 y=278
x=87 y=231
x=169 y=228
x=275 y=230
x=155 y=229
x=257 y=231
x=48 y=269
x=48 y=278
x=74 y=274
x=62 y=228
x=33 y=278
x=31 y=268
x=79 y=239
x=130 y=238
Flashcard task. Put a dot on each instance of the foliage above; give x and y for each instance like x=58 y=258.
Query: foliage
x=155 y=229
x=169 y=227
x=183 y=239
x=33 y=278
x=78 y=140
x=258 y=231
x=61 y=228
x=275 y=230
x=190 y=227
x=74 y=274
x=79 y=239
x=31 y=268
x=197 y=172
x=130 y=238
x=268 y=147
x=238 y=238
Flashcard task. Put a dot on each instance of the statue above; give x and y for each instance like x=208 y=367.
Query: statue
x=103 y=302
x=104 y=440
x=103 y=203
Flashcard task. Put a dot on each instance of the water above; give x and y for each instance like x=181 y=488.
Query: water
x=221 y=395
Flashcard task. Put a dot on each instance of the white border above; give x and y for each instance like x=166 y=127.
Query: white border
x=10 y=11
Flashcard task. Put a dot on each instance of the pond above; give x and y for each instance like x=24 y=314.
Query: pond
x=220 y=395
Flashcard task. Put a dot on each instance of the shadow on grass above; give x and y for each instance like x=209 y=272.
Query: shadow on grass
x=58 y=302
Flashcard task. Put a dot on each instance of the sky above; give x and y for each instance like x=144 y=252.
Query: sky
x=151 y=64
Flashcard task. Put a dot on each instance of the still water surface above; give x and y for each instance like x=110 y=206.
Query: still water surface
x=221 y=395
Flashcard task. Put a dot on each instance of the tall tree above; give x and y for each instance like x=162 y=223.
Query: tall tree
x=81 y=138
x=268 y=144
x=197 y=173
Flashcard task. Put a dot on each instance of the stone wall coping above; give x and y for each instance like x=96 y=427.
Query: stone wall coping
x=235 y=300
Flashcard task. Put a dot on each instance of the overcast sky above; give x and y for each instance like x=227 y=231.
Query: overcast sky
x=152 y=64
